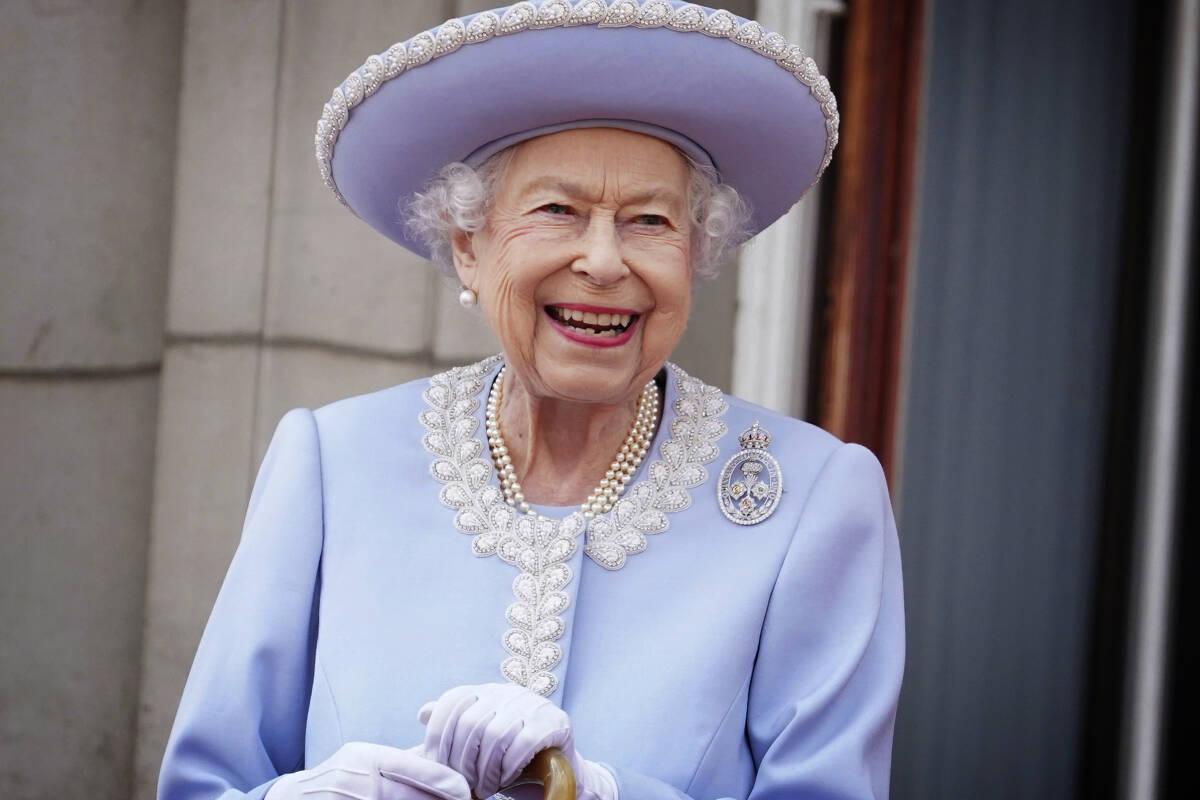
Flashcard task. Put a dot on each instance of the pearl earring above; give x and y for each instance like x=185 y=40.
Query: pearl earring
x=467 y=298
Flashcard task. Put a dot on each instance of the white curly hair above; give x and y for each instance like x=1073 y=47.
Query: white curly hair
x=459 y=197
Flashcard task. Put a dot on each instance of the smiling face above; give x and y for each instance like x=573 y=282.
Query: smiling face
x=583 y=269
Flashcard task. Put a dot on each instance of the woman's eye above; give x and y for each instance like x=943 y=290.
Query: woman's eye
x=556 y=208
x=650 y=219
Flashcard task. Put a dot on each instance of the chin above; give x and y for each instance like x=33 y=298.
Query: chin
x=568 y=367
x=587 y=381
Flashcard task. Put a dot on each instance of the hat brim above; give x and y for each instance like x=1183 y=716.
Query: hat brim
x=756 y=117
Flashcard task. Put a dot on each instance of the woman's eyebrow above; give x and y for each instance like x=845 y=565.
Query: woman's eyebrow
x=667 y=196
x=571 y=189
x=556 y=184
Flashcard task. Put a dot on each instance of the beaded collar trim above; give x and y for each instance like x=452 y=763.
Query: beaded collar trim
x=455 y=34
x=539 y=546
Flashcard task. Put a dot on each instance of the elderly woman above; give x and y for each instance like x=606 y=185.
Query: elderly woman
x=574 y=544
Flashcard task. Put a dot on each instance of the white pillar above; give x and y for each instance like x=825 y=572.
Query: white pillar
x=775 y=281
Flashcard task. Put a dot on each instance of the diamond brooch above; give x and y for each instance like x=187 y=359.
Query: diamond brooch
x=751 y=482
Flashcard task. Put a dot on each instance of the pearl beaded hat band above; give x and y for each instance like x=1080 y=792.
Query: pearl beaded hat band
x=726 y=92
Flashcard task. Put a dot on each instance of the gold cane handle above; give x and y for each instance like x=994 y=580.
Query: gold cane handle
x=551 y=769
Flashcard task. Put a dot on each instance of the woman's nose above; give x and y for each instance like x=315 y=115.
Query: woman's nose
x=600 y=256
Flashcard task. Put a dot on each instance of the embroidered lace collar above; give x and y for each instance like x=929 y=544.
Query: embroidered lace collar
x=539 y=545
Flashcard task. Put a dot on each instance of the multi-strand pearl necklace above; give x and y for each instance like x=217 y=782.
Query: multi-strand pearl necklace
x=616 y=477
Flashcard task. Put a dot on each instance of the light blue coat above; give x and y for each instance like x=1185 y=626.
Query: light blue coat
x=705 y=660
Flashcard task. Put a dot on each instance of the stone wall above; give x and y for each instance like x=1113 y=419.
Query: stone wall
x=90 y=91
x=278 y=298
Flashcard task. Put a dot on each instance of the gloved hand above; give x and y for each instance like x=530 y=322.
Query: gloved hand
x=363 y=771
x=489 y=734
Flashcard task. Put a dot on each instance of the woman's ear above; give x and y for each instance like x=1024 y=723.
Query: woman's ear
x=462 y=249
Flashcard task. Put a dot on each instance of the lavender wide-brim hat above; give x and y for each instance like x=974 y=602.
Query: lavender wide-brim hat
x=726 y=92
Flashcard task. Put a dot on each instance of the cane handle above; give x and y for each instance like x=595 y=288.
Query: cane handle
x=551 y=769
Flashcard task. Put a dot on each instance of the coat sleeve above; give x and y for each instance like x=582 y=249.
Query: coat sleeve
x=823 y=694
x=826 y=731
x=242 y=717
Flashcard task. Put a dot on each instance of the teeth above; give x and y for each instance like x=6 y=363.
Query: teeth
x=569 y=315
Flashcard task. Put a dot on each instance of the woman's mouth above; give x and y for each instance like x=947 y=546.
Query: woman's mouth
x=603 y=327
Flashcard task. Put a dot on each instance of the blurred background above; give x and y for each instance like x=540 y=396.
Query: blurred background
x=991 y=289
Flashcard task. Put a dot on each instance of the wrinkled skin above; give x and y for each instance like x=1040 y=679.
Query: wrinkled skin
x=593 y=216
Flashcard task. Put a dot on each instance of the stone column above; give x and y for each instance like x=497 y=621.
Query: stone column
x=89 y=91
x=278 y=297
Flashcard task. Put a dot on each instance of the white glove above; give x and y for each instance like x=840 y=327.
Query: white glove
x=489 y=734
x=363 y=771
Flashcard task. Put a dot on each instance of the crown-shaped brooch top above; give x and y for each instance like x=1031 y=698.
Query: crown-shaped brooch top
x=756 y=437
